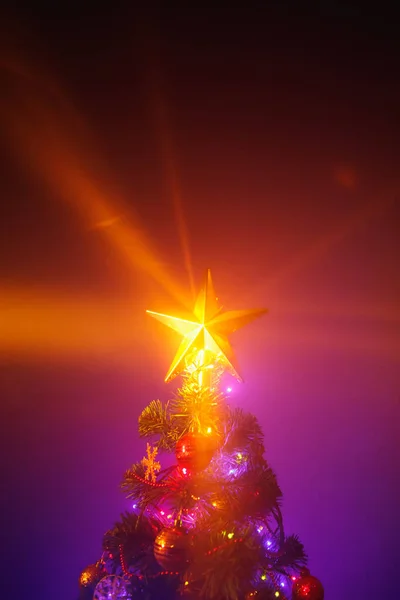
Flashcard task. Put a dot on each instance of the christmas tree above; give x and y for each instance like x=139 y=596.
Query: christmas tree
x=209 y=526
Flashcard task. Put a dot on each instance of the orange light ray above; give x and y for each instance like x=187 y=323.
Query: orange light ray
x=168 y=153
x=40 y=324
x=53 y=143
x=43 y=325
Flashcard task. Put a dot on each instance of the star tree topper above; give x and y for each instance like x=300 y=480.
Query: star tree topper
x=208 y=331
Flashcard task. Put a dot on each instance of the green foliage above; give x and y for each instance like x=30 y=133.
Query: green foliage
x=198 y=408
x=134 y=537
x=225 y=571
x=243 y=432
x=236 y=494
x=194 y=408
x=155 y=420
x=292 y=555
x=140 y=491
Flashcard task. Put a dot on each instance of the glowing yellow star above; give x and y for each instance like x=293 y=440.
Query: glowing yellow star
x=208 y=331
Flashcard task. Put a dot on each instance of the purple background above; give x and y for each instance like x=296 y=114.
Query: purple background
x=284 y=135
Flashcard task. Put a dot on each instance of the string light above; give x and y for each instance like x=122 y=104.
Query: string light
x=122 y=560
x=150 y=483
x=217 y=548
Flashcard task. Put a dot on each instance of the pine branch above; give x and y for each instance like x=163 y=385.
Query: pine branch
x=134 y=536
x=155 y=420
x=243 y=432
x=198 y=408
x=223 y=567
x=292 y=555
x=143 y=493
x=253 y=494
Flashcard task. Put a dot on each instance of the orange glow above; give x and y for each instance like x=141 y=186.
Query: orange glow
x=168 y=154
x=50 y=138
x=207 y=333
x=44 y=325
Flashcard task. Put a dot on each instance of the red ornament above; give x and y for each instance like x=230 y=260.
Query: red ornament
x=194 y=451
x=171 y=549
x=307 y=587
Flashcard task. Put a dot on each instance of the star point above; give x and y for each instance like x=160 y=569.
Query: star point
x=208 y=331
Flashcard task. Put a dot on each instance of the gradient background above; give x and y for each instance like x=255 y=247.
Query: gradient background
x=139 y=148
